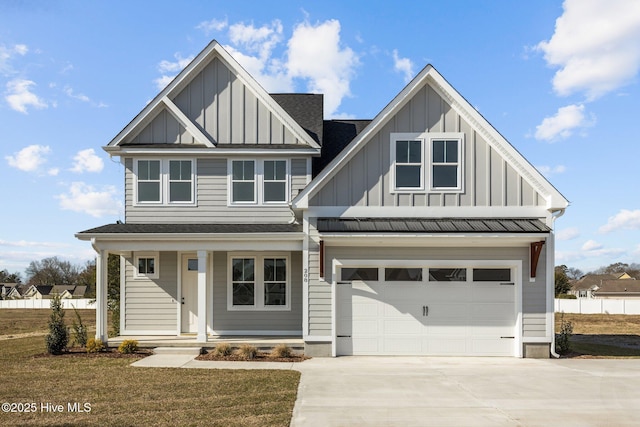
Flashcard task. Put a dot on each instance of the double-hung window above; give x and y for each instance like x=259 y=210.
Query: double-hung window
x=430 y=161
x=164 y=181
x=259 y=282
x=254 y=182
x=445 y=164
x=243 y=181
x=149 y=183
x=409 y=171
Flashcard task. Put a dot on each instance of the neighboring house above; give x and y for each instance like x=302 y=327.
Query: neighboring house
x=17 y=291
x=421 y=232
x=6 y=288
x=609 y=285
x=48 y=291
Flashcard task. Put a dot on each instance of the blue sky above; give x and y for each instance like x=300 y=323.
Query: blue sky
x=558 y=79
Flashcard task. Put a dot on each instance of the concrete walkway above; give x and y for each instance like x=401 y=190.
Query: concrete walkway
x=428 y=391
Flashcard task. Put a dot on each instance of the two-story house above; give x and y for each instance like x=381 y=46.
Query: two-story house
x=420 y=232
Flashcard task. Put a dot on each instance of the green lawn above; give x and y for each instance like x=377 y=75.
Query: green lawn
x=120 y=394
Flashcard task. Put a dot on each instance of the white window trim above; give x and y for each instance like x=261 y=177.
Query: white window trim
x=395 y=137
x=458 y=136
x=156 y=263
x=169 y=181
x=164 y=182
x=258 y=282
x=258 y=189
x=426 y=139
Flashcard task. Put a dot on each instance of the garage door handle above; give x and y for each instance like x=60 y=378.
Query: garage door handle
x=425 y=310
x=510 y=338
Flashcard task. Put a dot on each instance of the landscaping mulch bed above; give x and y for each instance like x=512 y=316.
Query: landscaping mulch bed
x=260 y=357
x=111 y=353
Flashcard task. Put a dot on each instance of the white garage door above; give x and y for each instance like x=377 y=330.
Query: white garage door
x=426 y=311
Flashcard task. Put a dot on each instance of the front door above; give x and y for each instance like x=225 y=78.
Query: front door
x=189 y=293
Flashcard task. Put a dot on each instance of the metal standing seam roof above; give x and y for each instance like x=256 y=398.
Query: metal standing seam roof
x=430 y=225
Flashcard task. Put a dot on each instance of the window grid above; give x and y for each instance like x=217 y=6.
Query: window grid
x=180 y=181
x=149 y=182
x=445 y=164
x=275 y=181
x=408 y=164
x=243 y=181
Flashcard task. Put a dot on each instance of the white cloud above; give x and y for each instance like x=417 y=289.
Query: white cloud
x=29 y=159
x=270 y=73
x=87 y=161
x=551 y=170
x=19 y=96
x=214 y=25
x=315 y=54
x=169 y=69
x=596 y=46
x=8 y=53
x=85 y=198
x=568 y=234
x=591 y=245
x=27 y=244
x=563 y=124
x=403 y=65
x=79 y=96
x=625 y=219
x=261 y=40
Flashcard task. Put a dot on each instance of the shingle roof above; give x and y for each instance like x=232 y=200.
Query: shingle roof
x=193 y=228
x=430 y=225
x=590 y=281
x=618 y=286
x=306 y=109
x=337 y=135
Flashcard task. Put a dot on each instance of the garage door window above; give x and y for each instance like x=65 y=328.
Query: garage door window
x=491 y=274
x=369 y=274
x=447 y=274
x=403 y=274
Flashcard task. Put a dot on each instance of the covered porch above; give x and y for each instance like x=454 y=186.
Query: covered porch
x=177 y=289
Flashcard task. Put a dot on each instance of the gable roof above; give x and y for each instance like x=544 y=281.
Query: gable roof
x=163 y=101
x=429 y=75
x=618 y=286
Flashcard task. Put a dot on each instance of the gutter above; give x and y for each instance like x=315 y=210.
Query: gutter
x=552 y=349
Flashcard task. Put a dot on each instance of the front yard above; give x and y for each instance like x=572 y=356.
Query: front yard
x=118 y=394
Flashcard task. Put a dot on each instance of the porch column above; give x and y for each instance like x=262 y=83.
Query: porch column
x=101 y=295
x=202 y=296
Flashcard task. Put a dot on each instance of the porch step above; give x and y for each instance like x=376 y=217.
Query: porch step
x=178 y=350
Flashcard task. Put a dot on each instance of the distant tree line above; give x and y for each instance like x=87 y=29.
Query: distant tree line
x=564 y=275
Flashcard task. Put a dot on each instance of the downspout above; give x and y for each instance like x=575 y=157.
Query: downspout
x=554 y=216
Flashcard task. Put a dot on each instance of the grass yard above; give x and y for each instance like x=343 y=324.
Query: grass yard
x=120 y=394
x=21 y=321
x=603 y=335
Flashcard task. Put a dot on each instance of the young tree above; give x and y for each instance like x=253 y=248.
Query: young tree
x=58 y=336
x=562 y=280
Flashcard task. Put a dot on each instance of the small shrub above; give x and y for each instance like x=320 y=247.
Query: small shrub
x=58 y=336
x=128 y=347
x=222 y=350
x=247 y=352
x=79 y=330
x=94 y=345
x=563 y=341
x=281 y=351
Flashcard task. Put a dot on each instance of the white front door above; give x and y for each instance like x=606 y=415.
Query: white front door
x=189 y=293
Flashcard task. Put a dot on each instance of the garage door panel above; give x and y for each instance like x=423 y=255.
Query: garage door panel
x=426 y=318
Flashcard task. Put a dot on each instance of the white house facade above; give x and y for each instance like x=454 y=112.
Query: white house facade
x=420 y=232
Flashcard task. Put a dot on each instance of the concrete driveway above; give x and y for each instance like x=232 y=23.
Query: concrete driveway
x=416 y=391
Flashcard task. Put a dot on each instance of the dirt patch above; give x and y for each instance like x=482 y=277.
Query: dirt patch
x=112 y=353
x=25 y=335
x=260 y=357
x=624 y=341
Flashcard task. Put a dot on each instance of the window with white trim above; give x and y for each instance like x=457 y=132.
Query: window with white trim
x=164 y=181
x=256 y=182
x=243 y=181
x=146 y=265
x=430 y=161
x=445 y=164
x=259 y=283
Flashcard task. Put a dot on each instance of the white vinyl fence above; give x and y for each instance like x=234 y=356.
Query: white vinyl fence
x=80 y=303
x=598 y=306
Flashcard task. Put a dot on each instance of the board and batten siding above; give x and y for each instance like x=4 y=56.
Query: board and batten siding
x=211 y=198
x=223 y=108
x=533 y=293
x=225 y=320
x=150 y=304
x=488 y=178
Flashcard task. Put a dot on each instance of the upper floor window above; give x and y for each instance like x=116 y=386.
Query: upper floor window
x=258 y=181
x=426 y=162
x=164 y=181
